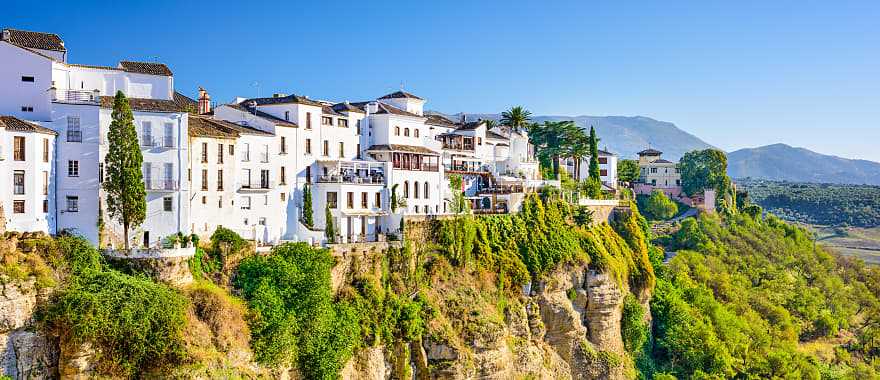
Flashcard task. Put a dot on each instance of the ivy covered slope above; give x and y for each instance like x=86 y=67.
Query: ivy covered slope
x=751 y=297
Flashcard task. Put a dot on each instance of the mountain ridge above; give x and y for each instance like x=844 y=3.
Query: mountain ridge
x=783 y=162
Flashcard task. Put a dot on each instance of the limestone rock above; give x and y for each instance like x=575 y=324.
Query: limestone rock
x=17 y=303
x=28 y=355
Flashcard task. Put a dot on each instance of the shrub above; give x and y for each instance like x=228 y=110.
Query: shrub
x=225 y=242
x=633 y=328
x=658 y=206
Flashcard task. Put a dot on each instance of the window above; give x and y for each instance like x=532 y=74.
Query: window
x=18 y=148
x=326 y=120
x=349 y=198
x=479 y=141
x=603 y=160
x=406 y=132
x=45 y=205
x=426 y=190
x=168 y=204
x=426 y=209
x=603 y=172
x=231 y=150
x=27 y=79
x=220 y=180
x=416 y=132
x=220 y=202
x=18 y=207
x=331 y=199
x=246 y=178
x=308 y=174
x=204 y=199
x=264 y=178
x=72 y=204
x=406 y=189
x=653 y=170
x=27 y=109
x=204 y=179
x=264 y=155
x=326 y=148
x=169 y=136
x=147 y=134
x=101 y=172
x=283 y=149
x=283 y=178
x=308 y=120
x=343 y=123
x=245 y=203
x=416 y=190
x=204 y=153
x=262 y=221
x=358 y=152
x=18 y=182
x=378 y=202
x=287 y=115
x=283 y=197
x=219 y=153
x=72 y=168
x=397 y=131
x=74 y=133
x=45 y=183
x=45 y=150
x=246 y=155
x=308 y=146
x=341 y=150
x=358 y=127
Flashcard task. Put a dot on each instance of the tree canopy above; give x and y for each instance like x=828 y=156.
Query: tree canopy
x=517 y=118
x=628 y=170
x=705 y=169
x=124 y=186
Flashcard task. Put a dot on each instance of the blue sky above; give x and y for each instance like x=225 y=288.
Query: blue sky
x=736 y=74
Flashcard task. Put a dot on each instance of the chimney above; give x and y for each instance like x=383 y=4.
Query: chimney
x=204 y=101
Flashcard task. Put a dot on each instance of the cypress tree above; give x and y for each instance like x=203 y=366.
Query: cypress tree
x=308 y=218
x=594 y=155
x=329 y=229
x=124 y=187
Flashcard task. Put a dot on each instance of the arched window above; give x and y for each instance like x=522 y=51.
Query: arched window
x=406 y=189
x=416 y=190
x=426 y=191
x=416 y=132
x=397 y=131
x=406 y=132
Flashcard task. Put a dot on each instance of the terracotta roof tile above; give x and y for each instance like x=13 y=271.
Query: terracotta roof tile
x=200 y=126
x=346 y=107
x=650 y=151
x=438 y=120
x=12 y=123
x=401 y=94
x=34 y=40
x=289 y=99
x=145 y=105
x=149 y=68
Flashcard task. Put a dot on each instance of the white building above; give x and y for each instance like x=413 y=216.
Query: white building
x=607 y=168
x=27 y=171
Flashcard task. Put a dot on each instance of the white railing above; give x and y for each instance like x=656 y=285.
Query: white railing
x=75 y=96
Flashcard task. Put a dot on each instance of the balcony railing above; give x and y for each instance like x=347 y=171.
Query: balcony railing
x=161 y=185
x=460 y=167
x=75 y=96
x=157 y=142
x=258 y=186
x=352 y=179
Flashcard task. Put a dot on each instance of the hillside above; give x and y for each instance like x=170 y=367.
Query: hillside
x=625 y=135
x=811 y=203
x=781 y=162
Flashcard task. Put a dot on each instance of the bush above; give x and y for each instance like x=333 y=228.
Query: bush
x=658 y=206
x=225 y=242
x=633 y=328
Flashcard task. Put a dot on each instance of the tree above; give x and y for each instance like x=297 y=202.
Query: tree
x=555 y=140
x=329 y=229
x=659 y=206
x=458 y=203
x=517 y=118
x=628 y=170
x=594 y=155
x=705 y=169
x=124 y=187
x=308 y=218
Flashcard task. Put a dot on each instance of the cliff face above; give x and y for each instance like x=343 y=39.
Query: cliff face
x=566 y=327
x=24 y=353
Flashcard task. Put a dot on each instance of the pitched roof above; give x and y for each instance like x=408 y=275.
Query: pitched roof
x=662 y=161
x=401 y=94
x=289 y=99
x=439 y=120
x=145 y=105
x=388 y=109
x=328 y=110
x=402 y=148
x=242 y=129
x=469 y=126
x=649 y=151
x=346 y=107
x=12 y=123
x=149 y=68
x=201 y=126
x=605 y=153
x=34 y=40
x=263 y=115
x=493 y=135
x=184 y=101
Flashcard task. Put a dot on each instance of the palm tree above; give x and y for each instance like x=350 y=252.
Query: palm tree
x=556 y=140
x=517 y=118
x=490 y=124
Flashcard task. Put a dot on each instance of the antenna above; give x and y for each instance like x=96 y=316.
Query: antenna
x=257 y=85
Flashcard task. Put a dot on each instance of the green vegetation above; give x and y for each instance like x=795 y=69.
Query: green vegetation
x=628 y=170
x=594 y=155
x=755 y=298
x=329 y=228
x=658 y=206
x=296 y=320
x=556 y=140
x=134 y=324
x=705 y=169
x=308 y=211
x=124 y=186
x=824 y=204
x=517 y=118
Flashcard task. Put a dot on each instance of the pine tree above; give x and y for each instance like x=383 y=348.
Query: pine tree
x=308 y=218
x=329 y=229
x=594 y=155
x=124 y=187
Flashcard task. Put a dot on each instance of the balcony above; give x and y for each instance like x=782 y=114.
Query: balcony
x=467 y=167
x=75 y=96
x=356 y=179
x=161 y=185
x=352 y=172
x=257 y=187
x=150 y=142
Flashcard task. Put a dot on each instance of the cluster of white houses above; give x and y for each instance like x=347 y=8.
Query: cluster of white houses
x=243 y=165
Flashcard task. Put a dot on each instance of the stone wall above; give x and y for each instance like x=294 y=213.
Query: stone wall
x=24 y=352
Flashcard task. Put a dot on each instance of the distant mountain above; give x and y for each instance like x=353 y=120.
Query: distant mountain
x=625 y=135
x=781 y=162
